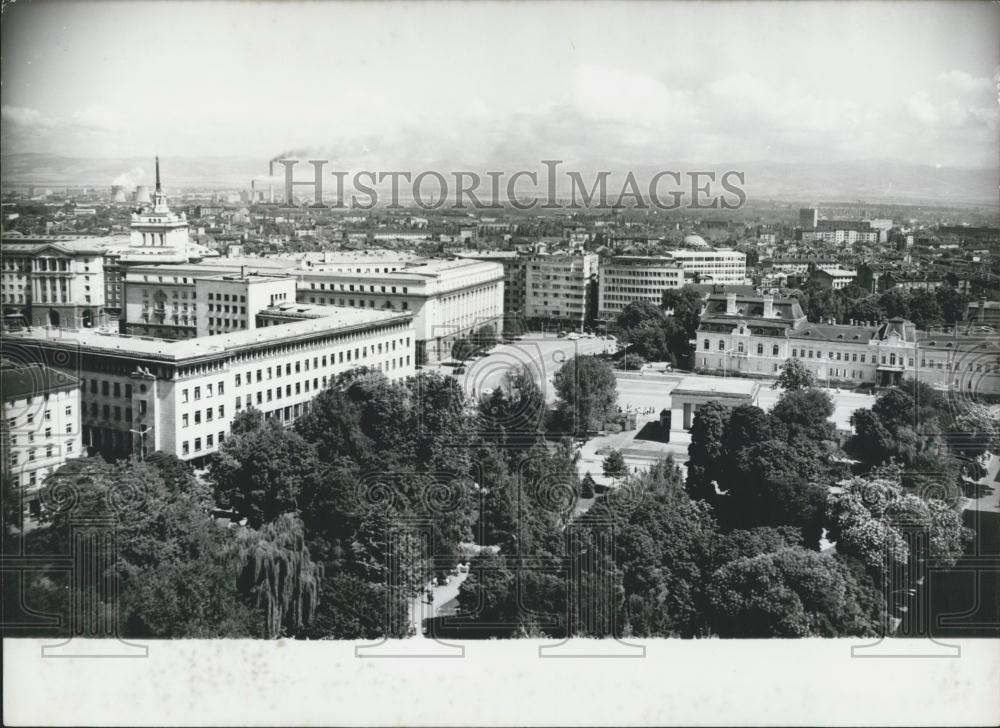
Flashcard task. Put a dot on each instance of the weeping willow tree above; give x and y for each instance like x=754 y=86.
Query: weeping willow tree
x=277 y=573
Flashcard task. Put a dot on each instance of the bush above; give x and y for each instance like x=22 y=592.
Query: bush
x=631 y=362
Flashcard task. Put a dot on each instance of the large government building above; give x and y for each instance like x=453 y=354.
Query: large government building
x=139 y=394
x=754 y=335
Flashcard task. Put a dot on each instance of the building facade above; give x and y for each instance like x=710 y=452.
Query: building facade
x=447 y=298
x=54 y=280
x=712 y=266
x=41 y=425
x=755 y=335
x=625 y=279
x=561 y=287
x=139 y=394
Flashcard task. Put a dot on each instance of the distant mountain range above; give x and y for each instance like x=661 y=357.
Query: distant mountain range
x=870 y=180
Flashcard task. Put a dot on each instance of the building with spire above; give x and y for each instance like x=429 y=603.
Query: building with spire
x=158 y=234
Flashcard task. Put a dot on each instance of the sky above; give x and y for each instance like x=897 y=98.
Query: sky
x=400 y=85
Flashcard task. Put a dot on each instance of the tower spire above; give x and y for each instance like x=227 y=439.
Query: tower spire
x=158 y=174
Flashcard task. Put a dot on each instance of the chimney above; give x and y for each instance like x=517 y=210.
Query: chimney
x=768 y=306
x=731 y=303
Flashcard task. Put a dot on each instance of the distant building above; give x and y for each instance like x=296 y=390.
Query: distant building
x=625 y=279
x=720 y=265
x=841 y=232
x=171 y=301
x=808 y=217
x=448 y=298
x=755 y=335
x=54 y=280
x=515 y=269
x=985 y=313
x=834 y=278
x=41 y=425
x=562 y=288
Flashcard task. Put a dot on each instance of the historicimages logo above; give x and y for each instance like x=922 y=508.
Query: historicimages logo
x=549 y=186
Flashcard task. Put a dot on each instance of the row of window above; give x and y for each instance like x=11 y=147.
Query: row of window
x=404 y=306
x=361 y=288
x=108 y=389
x=107 y=411
x=840 y=356
x=224 y=308
x=210 y=390
x=209 y=443
x=209 y=414
x=29 y=417
x=50 y=451
x=47 y=433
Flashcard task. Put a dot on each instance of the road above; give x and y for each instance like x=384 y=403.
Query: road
x=542 y=354
x=420 y=610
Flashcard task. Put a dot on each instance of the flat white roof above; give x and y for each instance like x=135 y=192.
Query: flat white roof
x=337 y=318
x=722 y=386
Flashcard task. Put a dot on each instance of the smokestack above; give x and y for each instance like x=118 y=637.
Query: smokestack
x=270 y=183
x=158 y=175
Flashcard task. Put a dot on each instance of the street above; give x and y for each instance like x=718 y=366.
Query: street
x=542 y=354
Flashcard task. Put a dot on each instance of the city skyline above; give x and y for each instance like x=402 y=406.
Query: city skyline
x=591 y=84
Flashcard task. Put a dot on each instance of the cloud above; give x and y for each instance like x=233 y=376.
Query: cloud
x=25 y=118
x=966 y=82
x=101 y=119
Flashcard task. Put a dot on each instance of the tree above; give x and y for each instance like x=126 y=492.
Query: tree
x=261 y=468
x=11 y=506
x=631 y=362
x=685 y=305
x=513 y=414
x=792 y=592
x=639 y=314
x=953 y=304
x=277 y=573
x=587 y=392
x=866 y=309
x=925 y=311
x=707 y=449
x=895 y=302
x=794 y=376
x=614 y=465
x=177 y=573
x=869 y=519
x=664 y=544
x=806 y=413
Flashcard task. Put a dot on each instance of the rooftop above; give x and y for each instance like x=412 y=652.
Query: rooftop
x=335 y=318
x=717 y=387
x=17 y=382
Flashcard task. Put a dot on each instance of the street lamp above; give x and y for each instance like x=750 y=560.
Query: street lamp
x=142 y=440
